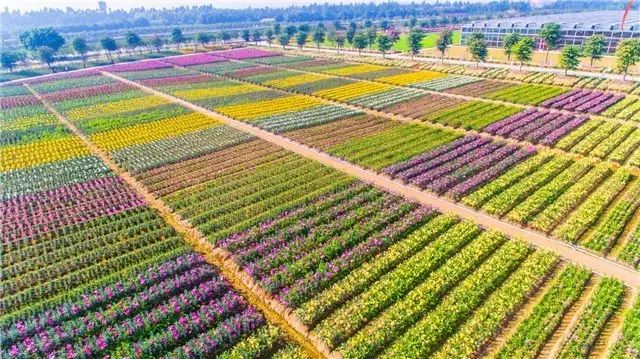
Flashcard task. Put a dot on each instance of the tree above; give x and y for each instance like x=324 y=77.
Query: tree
x=360 y=41
x=8 y=60
x=627 y=55
x=570 y=58
x=510 y=40
x=444 y=41
x=225 y=36
x=301 y=39
x=284 y=39
x=413 y=22
x=478 y=47
x=268 y=34
x=304 y=28
x=203 y=38
x=368 y=23
x=319 y=36
x=157 y=42
x=340 y=40
x=246 y=35
x=372 y=34
x=176 y=36
x=415 y=41
x=277 y=28
x=551 y=35
x=37 y=37
x=132 y=40
x=80 y=46
x=110 y=45
x=291 y=30
x=46 y=56
x=384 y=24
x=384 y=44
x=351 y=32
x=256 y=35
x=523 y=50
x=594 y=48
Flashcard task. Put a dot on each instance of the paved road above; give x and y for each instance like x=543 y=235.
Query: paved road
x=594 y=262
x=399 y=56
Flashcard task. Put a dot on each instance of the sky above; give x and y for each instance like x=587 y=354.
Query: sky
x=26 y=5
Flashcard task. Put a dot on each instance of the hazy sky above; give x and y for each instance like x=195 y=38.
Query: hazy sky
x=25 y=5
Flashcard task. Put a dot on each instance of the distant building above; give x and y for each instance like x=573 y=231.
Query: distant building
x=575 y=28
x=102 y=5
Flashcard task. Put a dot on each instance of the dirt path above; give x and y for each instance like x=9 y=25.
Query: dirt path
x=241 y=282
x=399 y=118
x=593 y=262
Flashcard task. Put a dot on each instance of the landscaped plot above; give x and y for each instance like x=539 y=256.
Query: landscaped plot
x=391 y=146
x=423 y=106
x=338 y=132
x=535 y=126
x=479 y=88
x=583 y=101
x=526 y=94
x=626 y=109
x=459 y=166
x=604 y=139
x=178 y=307
x=446 y=83
x=471 y=115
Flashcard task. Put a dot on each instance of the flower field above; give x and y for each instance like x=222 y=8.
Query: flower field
x=119 y=206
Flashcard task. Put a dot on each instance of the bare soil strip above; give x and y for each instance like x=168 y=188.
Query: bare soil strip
x=243 y=283
x=591 y=261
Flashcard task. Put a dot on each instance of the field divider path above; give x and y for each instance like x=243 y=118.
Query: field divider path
x=460 y=97
x=576 y=255
x=394 y=117
x=243 y=283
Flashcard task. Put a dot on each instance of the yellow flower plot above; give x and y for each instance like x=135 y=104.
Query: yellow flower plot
x=295 y=80
x=147 y=132
x=351 y=91
x=112 y=108
x=36 y=153
x=355 y=69
x=23 y=123
x=411 y=77
x=199 y=94
x=252 y=110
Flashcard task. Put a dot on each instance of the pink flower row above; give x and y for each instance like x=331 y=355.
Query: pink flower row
x=245 y=53
x=583 y=101
x=194 y=59
x=138 y=66
x=31 y=215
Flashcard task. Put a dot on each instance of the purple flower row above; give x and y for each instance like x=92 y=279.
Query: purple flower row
x=155 y=306
x=194 y=59
x=141 y=65
x=245 y=53
x=480 y=163
x=35 y=214
x=442 y=158
x=313 y=282
x=274 y=259
x=490 y=173
x=393 y=170
x=583 y=101
x=29 y=326
x=554 y=136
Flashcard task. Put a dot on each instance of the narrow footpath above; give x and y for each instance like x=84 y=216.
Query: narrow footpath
x=591 y=261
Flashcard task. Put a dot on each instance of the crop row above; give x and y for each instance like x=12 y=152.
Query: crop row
x=526 y=94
